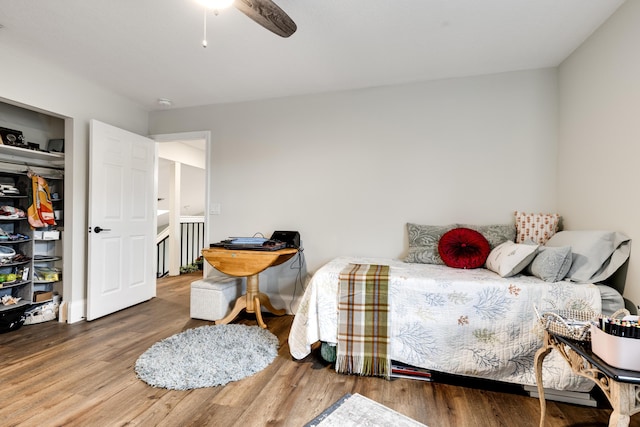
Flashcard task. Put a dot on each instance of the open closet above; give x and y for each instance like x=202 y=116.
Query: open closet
x=32 y=172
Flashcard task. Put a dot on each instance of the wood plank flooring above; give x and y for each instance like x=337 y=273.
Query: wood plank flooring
x=54 y=374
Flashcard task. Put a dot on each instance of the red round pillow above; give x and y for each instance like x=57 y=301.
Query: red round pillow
x=463 y=248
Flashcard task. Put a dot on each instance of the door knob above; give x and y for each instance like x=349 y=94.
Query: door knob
x=99 y=229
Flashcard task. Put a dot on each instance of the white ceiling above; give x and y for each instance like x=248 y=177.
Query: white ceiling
x=150 y=49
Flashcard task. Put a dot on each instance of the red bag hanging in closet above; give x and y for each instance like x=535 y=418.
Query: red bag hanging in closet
x=32 y=212
x=45 y=207
x=40 y=213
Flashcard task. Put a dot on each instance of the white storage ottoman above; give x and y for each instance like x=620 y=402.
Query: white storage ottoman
x=213 y=297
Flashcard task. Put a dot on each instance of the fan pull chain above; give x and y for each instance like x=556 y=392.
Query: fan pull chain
x=204 y=40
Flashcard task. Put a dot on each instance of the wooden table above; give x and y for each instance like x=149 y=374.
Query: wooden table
x=247 y=263
x=620 y=386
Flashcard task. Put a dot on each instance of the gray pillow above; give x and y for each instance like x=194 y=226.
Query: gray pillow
x=612 y=301
x=551 y=264
x=596 y=255
x=494 y=233
x=423 y=243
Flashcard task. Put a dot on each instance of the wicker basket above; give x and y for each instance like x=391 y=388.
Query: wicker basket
x=572 y=324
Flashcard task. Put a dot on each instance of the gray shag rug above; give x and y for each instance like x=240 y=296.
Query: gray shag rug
x=207 y=356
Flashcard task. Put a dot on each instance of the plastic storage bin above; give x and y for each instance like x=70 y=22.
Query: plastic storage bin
x=619 y=352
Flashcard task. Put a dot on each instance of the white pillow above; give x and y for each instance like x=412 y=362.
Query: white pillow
x=596 y=254
x=509 y=258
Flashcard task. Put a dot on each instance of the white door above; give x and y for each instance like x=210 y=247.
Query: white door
x=122 y=220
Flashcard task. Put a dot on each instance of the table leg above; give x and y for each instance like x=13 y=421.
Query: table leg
x=266 y=303
x=539 y=358
x=241 y=304
x=252 y=302
x=622 y=402
x=256 y=304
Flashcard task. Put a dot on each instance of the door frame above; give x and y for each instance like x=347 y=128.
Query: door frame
x=190 y=136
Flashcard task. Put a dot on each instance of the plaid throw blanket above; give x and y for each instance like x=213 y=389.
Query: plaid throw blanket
x=363 y=337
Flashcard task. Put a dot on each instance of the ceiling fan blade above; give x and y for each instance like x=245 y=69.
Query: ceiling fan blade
x=269 y=15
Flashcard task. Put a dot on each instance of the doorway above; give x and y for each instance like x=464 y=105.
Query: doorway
x=182 y=178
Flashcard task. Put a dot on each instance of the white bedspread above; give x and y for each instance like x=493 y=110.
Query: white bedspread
x=465 y=322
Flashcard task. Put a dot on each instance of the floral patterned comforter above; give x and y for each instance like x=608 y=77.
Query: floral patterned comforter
x=464 y=322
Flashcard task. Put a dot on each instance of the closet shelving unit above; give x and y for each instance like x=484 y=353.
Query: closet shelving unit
x=47 y=251
x=19 y=268
x=39 y=268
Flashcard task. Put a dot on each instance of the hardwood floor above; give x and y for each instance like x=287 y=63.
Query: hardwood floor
x=54 y=374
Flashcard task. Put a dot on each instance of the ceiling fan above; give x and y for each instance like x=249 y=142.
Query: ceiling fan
x=268 y=14
x=264 y=12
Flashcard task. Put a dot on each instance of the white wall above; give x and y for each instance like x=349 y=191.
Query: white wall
x=599 y=138
x=350 y=169
x=32 y=82
x=192 y=191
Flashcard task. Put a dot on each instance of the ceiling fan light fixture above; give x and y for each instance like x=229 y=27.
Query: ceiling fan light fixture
x=216 y=4
x=264 y=12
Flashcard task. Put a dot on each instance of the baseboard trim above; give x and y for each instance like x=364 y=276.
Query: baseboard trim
x=76 y=311
x=583 y=398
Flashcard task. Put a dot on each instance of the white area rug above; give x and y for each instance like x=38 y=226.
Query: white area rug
x=207 y=356
x=355 y=410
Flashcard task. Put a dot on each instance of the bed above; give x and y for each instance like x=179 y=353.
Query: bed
x=471 y=322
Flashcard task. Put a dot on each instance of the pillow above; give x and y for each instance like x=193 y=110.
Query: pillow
x=463 y=248
x=423 y=243
x=494 y=233
x=537 y=227
x=551 y=264
x=509 y=258
x=596 y=255
x=612 y=301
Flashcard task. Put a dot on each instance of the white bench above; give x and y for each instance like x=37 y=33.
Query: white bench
x=212 y=297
